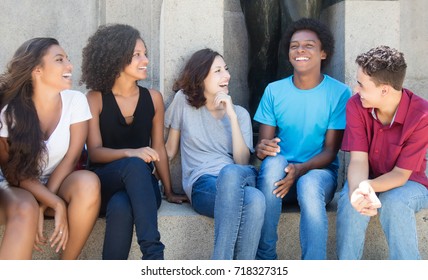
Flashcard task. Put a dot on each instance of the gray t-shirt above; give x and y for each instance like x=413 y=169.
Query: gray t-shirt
x=205 y=142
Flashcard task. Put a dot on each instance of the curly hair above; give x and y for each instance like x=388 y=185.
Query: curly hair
x=25 y=140
x=384 y=65
x=191 y=79
x=108 y=51
x=323 y=32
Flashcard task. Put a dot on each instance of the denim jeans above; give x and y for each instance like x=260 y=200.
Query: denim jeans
x=313 y=191
x=237 y=207
x=397 y=217
x=130 y=195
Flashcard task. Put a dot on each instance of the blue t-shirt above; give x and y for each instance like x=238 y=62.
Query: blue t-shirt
x=303 y=117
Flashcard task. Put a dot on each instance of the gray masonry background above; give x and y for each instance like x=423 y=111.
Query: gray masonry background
x=187 y=25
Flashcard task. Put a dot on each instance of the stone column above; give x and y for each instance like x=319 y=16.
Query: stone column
x=187 y=26
x=359 y=25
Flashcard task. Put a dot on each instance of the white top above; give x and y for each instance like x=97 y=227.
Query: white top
x=75 y=109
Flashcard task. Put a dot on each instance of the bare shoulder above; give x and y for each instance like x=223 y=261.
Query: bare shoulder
x=93 y=94
x=156 y=97
x=155 y=93
x=94 y=99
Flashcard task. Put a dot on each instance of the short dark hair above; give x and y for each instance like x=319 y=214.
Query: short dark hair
x=384 y=65
x=108 y=51
x=323 y=32
x=191 y=79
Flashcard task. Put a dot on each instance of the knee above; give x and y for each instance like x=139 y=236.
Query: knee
x=87 y=187
x=229 y=170
x=346 y=213
x=25 y=208
x=312 y=181
x=272 y=170
x=343 y=201
x=135 y=166
x=392 y=203
x=236 y=175
x=310 y=192
x=276 y=162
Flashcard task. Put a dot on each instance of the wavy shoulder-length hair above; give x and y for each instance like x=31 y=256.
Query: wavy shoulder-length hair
x=25 y=139
x=108 y=51
x=191 y=79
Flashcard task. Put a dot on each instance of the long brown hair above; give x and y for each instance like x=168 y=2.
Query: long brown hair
x=191 y=79
x=25 y=140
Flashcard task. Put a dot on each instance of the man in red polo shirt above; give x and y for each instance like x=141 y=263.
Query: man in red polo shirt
x=387 y=137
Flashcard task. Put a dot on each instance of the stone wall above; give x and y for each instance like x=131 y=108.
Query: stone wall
x=187 y=25
x=359 y=25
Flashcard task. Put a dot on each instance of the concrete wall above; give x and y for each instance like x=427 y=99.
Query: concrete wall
x=359 y=25
x=219 y=24
x=192 y=31
x=414 y=43
x=72 y=22
x=69 y=22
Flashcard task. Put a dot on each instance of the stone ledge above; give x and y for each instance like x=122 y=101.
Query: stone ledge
x=189 y=236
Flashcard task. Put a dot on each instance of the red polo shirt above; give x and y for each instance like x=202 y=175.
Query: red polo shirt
x=404 y=143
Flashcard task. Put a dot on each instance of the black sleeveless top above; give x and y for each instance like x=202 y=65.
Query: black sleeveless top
x=116 y=133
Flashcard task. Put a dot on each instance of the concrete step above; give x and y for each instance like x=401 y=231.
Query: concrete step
x=189 y=236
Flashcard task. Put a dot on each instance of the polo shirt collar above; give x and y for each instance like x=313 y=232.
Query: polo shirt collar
x=403 y=107
x=401 y=112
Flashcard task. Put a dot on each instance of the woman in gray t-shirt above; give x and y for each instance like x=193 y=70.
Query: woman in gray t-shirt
x=215 y=139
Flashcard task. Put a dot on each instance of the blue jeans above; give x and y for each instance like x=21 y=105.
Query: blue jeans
x=313 y=191
x=237 y=207
x=397 y=217
x=130 y=195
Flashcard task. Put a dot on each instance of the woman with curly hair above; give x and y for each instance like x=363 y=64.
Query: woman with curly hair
x=43 y=129
x=126 y=140
x=215 y=137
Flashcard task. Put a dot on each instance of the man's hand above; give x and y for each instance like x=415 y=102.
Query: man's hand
x=364 y=199
x=293 y=172
x=267 y=147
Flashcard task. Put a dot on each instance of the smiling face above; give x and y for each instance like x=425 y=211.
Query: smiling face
x=217 y=79
x=370 y=94
x=54 y=70
x=137 y=68
x=305 y=52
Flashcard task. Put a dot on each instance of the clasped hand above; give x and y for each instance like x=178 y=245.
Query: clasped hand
x=270 y=147
x=365 y=200
x=59 y=236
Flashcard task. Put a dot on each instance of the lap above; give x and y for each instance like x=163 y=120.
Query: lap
x=413 y=194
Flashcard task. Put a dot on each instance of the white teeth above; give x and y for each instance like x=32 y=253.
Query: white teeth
x=143 y=67
x=301 y=58
x=67 y=75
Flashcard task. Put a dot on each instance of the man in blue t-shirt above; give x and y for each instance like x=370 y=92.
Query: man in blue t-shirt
x=302 y=119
